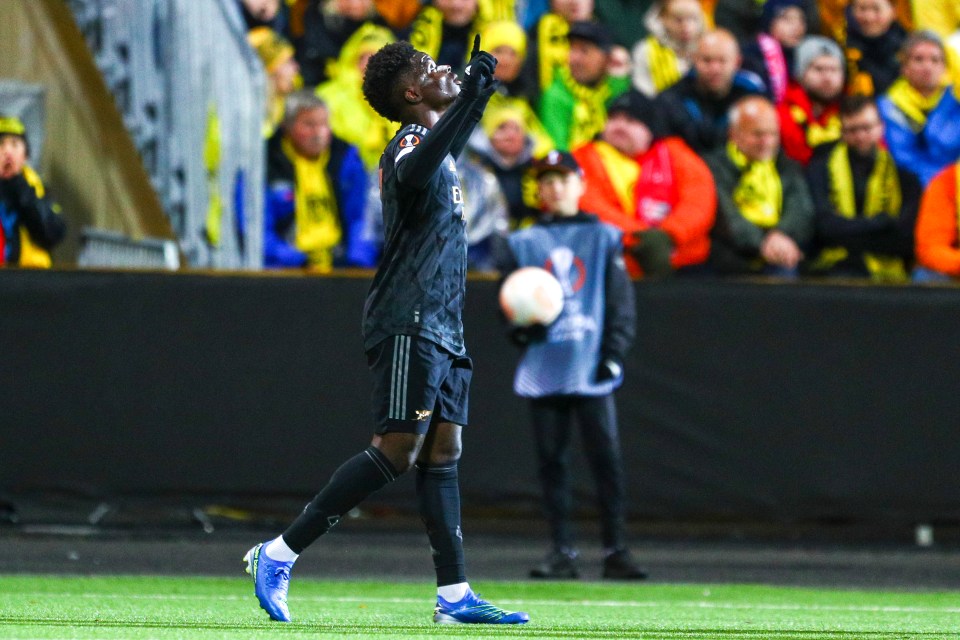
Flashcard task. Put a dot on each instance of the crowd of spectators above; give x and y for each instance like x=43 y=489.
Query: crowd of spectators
x=781 y=137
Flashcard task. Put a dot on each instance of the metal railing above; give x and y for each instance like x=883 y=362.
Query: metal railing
x=192 y=95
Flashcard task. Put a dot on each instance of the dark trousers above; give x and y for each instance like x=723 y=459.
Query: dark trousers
x=552 y=425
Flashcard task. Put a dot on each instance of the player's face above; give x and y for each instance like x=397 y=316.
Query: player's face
x=560 y=192
x=438 y=85
x=13 y=155
x=862 y=131
x=310 y=132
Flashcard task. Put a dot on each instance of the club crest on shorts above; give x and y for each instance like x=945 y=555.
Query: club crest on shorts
x=422 y=414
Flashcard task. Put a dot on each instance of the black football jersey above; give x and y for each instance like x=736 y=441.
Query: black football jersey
x=420 y=284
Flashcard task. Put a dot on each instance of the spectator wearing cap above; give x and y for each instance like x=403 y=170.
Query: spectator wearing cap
x=30 y=223
x=874 y=37
x=810 y=111
x=588 y=342
x=653 y=188
x=283 y=72
x=697 y=107
x=574 y=108
x=771 y=55
x=316 y=194
x=666 y=54
x=920 y=110
x=764 y=211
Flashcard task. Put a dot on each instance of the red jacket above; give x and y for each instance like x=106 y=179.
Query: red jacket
x=690 y=218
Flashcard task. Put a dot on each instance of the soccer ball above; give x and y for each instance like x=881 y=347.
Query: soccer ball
x=531 y=295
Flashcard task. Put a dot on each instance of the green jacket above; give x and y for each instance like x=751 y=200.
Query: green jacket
x=736 y=240
x=573 y=113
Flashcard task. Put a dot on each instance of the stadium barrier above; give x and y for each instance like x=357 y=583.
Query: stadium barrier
x=742 y=400
x=192 y=95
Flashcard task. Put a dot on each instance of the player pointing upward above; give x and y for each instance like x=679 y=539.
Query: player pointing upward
x=412 y=330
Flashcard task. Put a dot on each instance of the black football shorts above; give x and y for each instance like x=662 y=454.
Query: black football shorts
x=416 y=383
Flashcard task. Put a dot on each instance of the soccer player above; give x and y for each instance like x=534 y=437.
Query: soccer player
x=412 y=331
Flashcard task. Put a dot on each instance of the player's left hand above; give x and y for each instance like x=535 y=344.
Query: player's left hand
x=480 y=70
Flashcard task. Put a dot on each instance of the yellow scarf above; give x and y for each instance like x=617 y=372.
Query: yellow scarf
x=759 y=193
x=553 y=47
x=31 y=254
x=883 y=196
x=664 y=70
x=912 y=103
x=624 y=173
x=490 y=10
x=589 y=108
x=316 y=220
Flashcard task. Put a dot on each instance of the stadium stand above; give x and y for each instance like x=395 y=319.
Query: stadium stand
x=191 y=92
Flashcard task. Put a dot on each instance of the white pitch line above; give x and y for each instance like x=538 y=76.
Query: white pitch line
x=625 y=604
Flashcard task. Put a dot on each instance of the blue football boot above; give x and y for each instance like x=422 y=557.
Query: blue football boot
x=473 y=610
x=271 y=579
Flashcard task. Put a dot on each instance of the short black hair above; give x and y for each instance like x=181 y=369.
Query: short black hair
x=852 y=105
x=386 y=70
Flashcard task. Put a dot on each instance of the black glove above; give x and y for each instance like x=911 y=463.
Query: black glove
x=525 y=336
x=18 y=191
x=479 y=79
x=609 y=369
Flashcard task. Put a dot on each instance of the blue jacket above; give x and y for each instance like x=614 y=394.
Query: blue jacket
x=927 y=151
x=349 y=180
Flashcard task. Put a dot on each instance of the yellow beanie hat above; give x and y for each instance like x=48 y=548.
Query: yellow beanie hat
x=502 y=33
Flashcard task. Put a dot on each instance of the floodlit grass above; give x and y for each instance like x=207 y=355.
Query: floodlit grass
x=35 y=607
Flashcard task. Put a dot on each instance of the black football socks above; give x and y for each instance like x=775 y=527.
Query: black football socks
x=349 y=485
x=438 y=498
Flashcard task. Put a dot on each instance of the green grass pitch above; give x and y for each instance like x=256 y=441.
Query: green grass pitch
x=106 y=608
